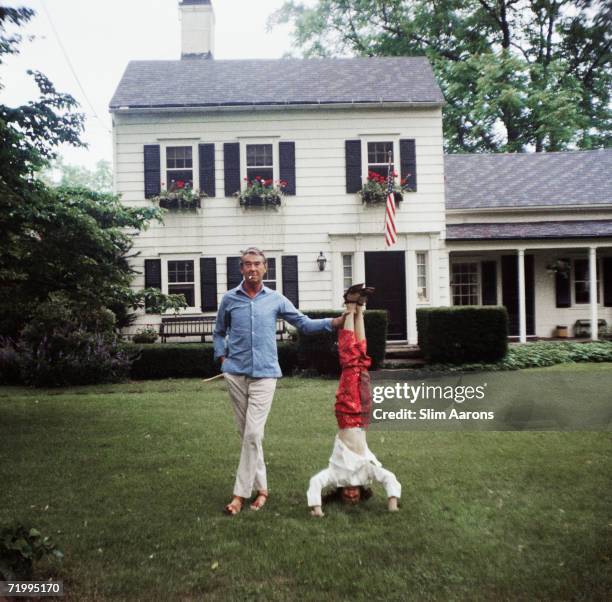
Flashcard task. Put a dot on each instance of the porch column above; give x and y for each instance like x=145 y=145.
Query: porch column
x=337 y=279
x=411 y=296
x=521 y=292
x=359 y=267
x=593 y=291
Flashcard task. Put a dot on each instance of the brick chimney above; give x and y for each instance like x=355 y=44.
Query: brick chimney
x=197 y=29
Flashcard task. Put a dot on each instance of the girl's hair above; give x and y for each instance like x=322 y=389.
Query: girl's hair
x=335 y=496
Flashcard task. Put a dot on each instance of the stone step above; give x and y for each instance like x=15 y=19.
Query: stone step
x=402 y=352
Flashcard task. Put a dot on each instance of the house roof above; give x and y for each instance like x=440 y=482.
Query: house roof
x=225 y=83
x=529 y=230
x=522 y=180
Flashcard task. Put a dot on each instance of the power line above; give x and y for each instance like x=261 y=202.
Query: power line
x=76 y=77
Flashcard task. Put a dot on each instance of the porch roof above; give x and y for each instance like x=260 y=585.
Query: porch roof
x=530 y=230
x=522 y=180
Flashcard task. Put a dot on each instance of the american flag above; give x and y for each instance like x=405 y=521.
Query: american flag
x=390 y=229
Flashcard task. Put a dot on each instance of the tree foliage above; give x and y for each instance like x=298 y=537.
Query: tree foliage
x=515 y=73
x=67 y=240
x=60 y=173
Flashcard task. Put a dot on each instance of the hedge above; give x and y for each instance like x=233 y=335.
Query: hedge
x=458 y=335
x=190 y=360
x=320 y=351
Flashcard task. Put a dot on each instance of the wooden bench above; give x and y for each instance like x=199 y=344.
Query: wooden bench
x=203 y=327
x=582 y=328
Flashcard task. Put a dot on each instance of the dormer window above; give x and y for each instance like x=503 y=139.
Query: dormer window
x=179 y=167
x=259 y=162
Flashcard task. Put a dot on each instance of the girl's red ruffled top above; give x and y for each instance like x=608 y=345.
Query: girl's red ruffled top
x=354 y=395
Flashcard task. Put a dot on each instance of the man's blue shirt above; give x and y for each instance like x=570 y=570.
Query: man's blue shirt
x=245 y=331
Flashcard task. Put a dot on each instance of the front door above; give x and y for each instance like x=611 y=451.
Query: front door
x=385 y=270
x=510 y=294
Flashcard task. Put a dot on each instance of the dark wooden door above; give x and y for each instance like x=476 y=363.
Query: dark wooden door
x=510 y=295
x=386 y=272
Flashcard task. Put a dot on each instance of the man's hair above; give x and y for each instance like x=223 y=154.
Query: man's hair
x=252 y=251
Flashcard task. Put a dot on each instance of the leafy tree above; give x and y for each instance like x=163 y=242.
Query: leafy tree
x=71 y=241
x=515 y=73
x=99 y=179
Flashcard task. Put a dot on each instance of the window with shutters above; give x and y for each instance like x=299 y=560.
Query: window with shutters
x=421 y=261
x=259 y=162
x=347 y=270
x=270 y=277
x=378 y=157
x=179 y=167
x=465 y=283
x=181 y=280
x=581 y=281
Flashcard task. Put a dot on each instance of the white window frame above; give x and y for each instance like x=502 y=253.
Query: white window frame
x=394 y=138
x=423 y=298
x=196 y=280
x=460 y=260
x=276 y=279
x=195 y=160
x=598 y=272
x=243 y=157
x=349 y=256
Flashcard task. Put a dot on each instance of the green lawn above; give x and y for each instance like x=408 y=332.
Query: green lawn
x=131 y=479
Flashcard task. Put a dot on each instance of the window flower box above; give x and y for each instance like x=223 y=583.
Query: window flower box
x=181 y=196
x=261 y=193
x=374 y=191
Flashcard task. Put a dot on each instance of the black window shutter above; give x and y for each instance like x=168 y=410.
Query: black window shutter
x=408 y=164
x=286 y=152
x=231 y=166
x=152 y=170
x=562 y=288
x=607 y=281
x=208 y=283
x=290 y=279
x=152 y=277
x=206 y=158
x=489 y=282
x=352 y=149
x=234 y=277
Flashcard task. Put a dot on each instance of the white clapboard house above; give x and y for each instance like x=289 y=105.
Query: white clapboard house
x=532 y=232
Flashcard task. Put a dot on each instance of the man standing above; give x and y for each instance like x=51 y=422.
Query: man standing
x=245 y=344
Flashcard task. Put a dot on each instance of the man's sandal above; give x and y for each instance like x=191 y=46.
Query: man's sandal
x=260 y=500
x=235 y=506
x=353 y=293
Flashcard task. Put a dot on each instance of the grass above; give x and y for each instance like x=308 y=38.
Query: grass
x=130 y=481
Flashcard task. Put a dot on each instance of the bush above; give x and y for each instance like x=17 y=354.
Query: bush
x=20 y=547
x=458 y=335
x=66 y=345
x=9 y=363
x=320 y=351
x=145 y=335
x=191 y=360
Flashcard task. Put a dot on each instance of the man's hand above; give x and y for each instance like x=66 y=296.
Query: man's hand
x=339 y=321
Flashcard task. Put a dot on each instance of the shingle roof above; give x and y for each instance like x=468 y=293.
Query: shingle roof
x=528 y=179
x=207 y=83
x=528 y=230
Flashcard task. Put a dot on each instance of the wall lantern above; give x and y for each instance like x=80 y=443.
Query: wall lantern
x=321 y=261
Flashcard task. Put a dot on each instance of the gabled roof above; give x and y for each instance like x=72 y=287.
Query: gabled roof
x=529 y=230
x=528 y=179
x=214 y=83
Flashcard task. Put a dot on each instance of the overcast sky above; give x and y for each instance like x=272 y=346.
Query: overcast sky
x=101 y=36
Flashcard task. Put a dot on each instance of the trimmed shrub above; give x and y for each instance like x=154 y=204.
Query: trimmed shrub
x=320 y=351
x=145 y=335
x=457 y=335
x=191 y=360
